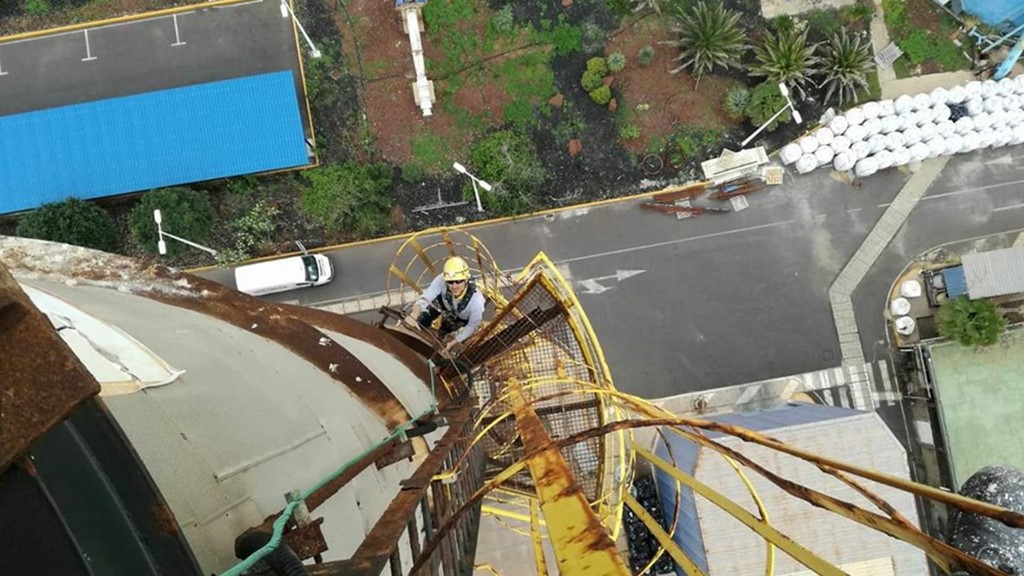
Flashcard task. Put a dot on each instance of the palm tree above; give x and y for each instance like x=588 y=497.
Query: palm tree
x=786 y=57
x=709 y=36
x=844 y=63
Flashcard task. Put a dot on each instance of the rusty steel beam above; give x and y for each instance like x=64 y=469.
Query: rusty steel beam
x=582 y=546
x=383 y=538
x=41 y=380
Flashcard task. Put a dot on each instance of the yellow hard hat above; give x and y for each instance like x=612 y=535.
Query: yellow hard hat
x=456 y=269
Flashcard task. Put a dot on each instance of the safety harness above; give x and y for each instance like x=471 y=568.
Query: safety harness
x=449 y=309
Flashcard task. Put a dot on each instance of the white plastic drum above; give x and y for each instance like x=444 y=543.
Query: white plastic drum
x=989 y=88
x=1019 y=81
x=865 y=167
x=809 y=144
x=912 y=135
x=938 y=96
x=824 y=154
x=886 y=108
x=871 y=110
x=975 y=106
x=900 y=306
x=840 y=143
x=963 y=126
x=956 y=95
x=972 y=89
x=919 y=152
x=806 y=163
x=993 y=104
x=878 y=143
x=1005 y=87
x=940 y=112
x=790 y=153
x=922 y=102
x=824 y=136
x=954 y=145
x=910 y=289
x=860 y=132
x=883 y=159
x=904 y=104
x=982 y=122
x=844 y=161
x=945 y=128
x=895 y=140
x=838 y=125
x=861 y=149
x=971 y=142
x=905 y=325
x=855 y=116
x=929 y=131
x=890 y=124
x=900 y=157
x=923 y=116
x=936 y=147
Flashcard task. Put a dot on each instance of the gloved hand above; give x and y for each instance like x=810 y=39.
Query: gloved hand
x=452 y=348
x=412 y=318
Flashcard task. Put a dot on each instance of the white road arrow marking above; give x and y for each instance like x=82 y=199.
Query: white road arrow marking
x=594 y=286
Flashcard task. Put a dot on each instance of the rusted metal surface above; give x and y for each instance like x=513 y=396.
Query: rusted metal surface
x=403 y=451
x=581 y=544
x=41 y=380
x=291 y=328
x=383 y=539
x=307 y=541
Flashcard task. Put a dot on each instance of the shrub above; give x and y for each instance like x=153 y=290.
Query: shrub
x=629 y=132
x=252 y=229
x=597 y=65
x=503 y=22
x=591 y=81
x=616 y=62
x=72 y=221
x=782 y=23
x=412 y=172
x=36 y=7
x=646 y=55
x=823 y=21
x=844 y=63
x=917 y=46
x=508 y=160
x=185 y=212
x=736 y=103
x=895 y=14
x=709 y=36
x=602 y=94
x=764 y=102
x=787 y=58
x=349 y=196
x=972 y=323
x=862 y=11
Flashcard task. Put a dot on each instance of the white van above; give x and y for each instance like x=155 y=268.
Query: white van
x=284 y=274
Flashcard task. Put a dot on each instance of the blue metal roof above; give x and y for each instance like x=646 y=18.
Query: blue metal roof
x=685 y=454
x=955 y=281
x=152 y=140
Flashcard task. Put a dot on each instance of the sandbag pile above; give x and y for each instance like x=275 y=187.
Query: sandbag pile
x=879 y=135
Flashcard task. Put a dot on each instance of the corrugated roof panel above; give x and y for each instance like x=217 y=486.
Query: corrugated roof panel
x=687 y=535
x=995 y=273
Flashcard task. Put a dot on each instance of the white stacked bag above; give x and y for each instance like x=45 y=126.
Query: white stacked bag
x=879 y=135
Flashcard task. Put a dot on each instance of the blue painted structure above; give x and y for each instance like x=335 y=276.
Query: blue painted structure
x=152 y=140
x=686 y=455
x=1001 y=14
x=955 y=281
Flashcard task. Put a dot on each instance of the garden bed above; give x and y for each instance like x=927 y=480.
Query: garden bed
x=928 y=37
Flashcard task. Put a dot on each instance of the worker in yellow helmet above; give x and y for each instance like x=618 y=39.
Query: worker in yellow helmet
x=453 y=296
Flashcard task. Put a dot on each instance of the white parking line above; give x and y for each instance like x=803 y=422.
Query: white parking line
x=676 y=241
x=969 y=190
x=177 y=34
x=88 y=51
x=1001 y=208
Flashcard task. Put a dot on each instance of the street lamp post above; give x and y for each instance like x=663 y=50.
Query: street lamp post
x=789 y=105
x=161 y=246
x=285 y=11
x=460 y=168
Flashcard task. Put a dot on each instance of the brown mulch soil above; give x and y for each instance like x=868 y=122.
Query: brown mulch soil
x=665 y=100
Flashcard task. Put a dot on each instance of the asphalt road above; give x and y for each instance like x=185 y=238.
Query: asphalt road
x=732 y=298
x=202 y=45
x=723 y=299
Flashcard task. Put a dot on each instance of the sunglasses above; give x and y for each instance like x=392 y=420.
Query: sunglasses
x=450 y=282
